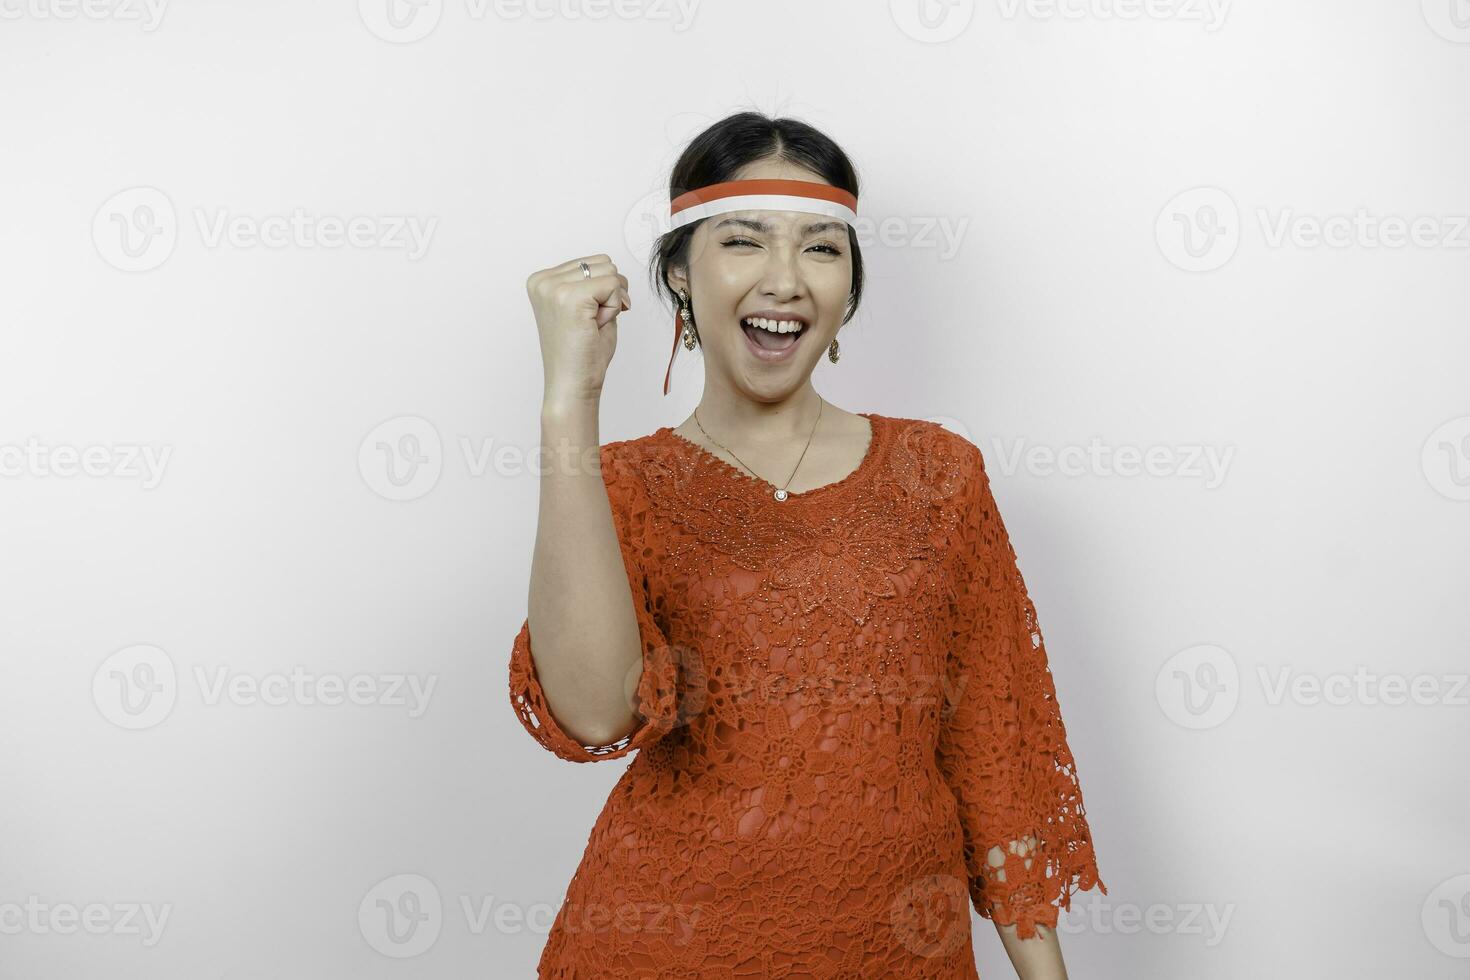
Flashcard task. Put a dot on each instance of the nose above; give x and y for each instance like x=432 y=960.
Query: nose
x=781 y=273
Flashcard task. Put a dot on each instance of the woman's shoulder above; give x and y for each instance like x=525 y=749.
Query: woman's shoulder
x=630 y=465
x=942 y=443
x=627 y=454
x=620 y=457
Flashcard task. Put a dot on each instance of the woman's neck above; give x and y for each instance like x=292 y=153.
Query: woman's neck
x=738 y=421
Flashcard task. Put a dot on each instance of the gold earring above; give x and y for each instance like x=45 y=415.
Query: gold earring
x=832 y=351
x=687 y=316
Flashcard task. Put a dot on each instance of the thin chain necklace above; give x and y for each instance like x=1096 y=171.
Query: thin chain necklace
x=780 y=493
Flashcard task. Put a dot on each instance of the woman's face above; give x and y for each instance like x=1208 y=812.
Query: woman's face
x=783 y=262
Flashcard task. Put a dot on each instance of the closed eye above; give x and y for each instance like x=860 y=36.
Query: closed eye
x=832 y=250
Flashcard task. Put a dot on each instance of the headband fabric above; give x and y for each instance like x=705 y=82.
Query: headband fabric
x=804 y=196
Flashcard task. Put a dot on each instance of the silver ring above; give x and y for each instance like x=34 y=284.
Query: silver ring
x=586 y=272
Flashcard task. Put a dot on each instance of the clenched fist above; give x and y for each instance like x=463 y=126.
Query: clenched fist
x=577 y=320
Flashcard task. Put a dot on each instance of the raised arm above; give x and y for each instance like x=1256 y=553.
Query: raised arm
x=582 y=622
x=590 y=621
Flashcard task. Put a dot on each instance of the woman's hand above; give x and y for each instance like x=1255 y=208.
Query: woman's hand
x=577 y=319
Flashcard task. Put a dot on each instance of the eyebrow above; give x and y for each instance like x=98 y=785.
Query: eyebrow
x=761 y=227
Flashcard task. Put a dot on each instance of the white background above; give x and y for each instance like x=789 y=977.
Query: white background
x=1130 y=201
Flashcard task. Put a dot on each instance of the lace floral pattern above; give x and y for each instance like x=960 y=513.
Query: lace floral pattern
x=850 y=734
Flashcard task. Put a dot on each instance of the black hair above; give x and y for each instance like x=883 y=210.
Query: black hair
x=720 y=151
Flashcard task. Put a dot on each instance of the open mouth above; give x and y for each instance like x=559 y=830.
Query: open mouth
x=772 y=337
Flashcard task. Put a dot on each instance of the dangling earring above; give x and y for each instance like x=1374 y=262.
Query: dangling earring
x=832 y=351
x=687 y=316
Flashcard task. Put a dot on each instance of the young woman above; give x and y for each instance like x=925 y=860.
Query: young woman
x=810 y=623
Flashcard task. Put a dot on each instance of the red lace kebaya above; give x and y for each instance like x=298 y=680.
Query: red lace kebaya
x=850 y=735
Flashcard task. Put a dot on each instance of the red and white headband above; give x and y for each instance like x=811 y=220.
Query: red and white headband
x=805 y=196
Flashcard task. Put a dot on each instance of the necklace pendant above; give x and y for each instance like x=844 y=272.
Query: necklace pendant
x=780 y=494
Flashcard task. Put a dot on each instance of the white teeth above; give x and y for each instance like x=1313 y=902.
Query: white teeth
x=775 y=326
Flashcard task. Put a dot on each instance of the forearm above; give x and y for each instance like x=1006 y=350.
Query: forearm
x=584 y=634
x=1036 y=958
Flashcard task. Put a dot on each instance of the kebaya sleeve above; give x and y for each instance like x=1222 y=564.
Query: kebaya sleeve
x=655 y=693
x=1002 y=746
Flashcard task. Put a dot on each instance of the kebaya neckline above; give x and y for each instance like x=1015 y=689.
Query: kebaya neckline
x=870 y=455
